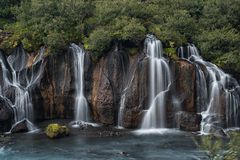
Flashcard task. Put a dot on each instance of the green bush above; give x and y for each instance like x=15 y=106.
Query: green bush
x=98 y=42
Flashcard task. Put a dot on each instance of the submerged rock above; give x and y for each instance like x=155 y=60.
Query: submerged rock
x=56 y=131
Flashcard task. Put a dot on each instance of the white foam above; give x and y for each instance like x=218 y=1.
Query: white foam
x=78 y=124
x=160 y=131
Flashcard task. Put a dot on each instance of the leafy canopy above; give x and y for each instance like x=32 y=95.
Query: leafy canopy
x=213 y=25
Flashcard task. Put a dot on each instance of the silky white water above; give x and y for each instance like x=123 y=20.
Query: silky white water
x=81 y=105
x=191 y=50
x=20 y=79
x=217 y=96
x=160 y=79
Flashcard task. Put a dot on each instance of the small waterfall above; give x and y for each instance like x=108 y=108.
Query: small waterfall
x=217 y=96
x=81 y=104
x=159 y=81
x=123 y=96
x=19 y=79
x=187 y=51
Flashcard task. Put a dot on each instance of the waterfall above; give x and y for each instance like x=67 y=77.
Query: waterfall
x=18 y=79
x=130 y=77
x=187 y=51
x=81 y=104
x=159 y=81
x=217 y=95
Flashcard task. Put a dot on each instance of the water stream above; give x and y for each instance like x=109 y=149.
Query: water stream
x=160 y=78
x=81 y=105
x=217 y=93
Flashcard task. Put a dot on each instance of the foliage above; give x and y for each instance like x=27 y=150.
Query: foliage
x=221 y=149
x=214 y=25
x=6 y=14
x=98 y=42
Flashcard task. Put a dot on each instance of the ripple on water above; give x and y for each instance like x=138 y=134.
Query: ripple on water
x=4 y=151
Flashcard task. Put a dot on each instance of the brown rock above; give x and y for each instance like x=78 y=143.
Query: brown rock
x=108 y=77
x=183 y=87
x=137 y=95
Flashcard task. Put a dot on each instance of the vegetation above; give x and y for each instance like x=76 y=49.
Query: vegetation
x=213 y=25
x=56 y=131
x=6 y=11
x=221 y=149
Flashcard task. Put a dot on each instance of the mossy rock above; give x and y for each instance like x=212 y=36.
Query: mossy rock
x=56 y=131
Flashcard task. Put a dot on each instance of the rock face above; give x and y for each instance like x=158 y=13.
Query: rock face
x=182 y=96
x=183 y=86
x=117 y=73
x=6 y=115
x=137 y=94
x=54 y=97
x=108 y=79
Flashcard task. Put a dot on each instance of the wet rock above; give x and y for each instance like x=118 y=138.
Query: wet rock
x=188 y=121
x=22 y=126
x=83 y=125
x=137 y=94
x=6 y=115
x=54 y=97
x=6 y=112
x=108 y=80
x=183 y=87
x=214 y=130
x=56 y=131
x=109 y=134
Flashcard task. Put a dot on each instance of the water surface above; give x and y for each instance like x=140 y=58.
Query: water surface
x=169 y=145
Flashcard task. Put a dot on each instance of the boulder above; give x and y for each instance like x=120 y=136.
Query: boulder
x=22 y=126
x=56 y=131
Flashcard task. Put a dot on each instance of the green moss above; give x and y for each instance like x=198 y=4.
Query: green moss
x=56 y=131
x=171 y=52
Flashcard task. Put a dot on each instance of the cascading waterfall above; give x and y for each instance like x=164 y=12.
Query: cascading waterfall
x=160 y=79
x=81 y=104
x=20 y=79
x=217 y=93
